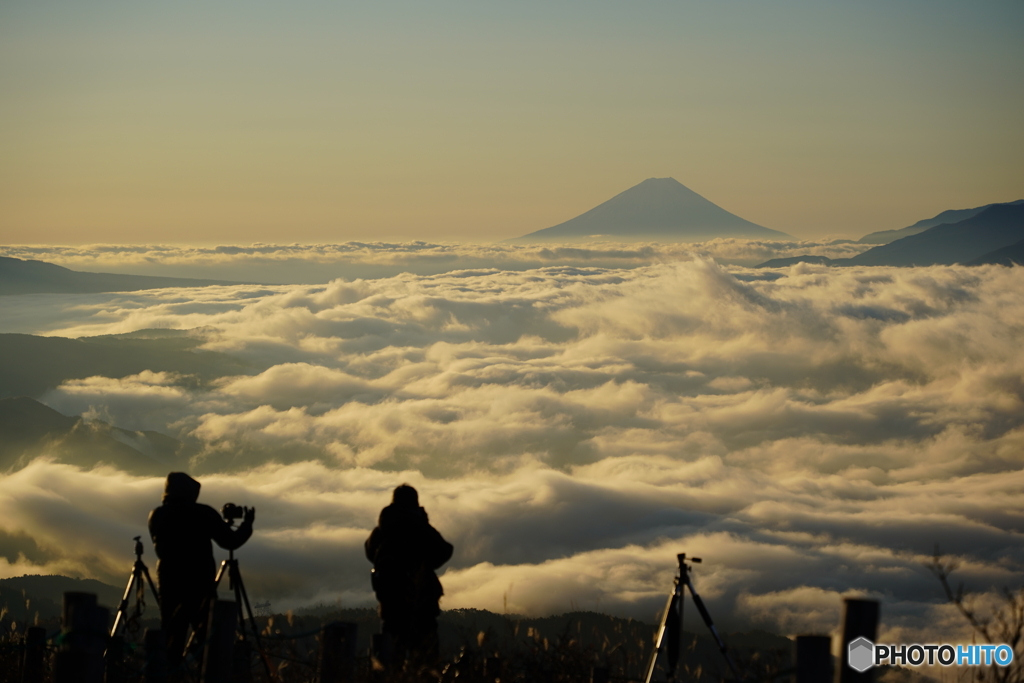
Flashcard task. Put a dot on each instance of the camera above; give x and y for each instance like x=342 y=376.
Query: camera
x=232 y=512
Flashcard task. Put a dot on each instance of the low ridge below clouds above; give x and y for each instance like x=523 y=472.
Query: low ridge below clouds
x=319 y=263
x=20 y=276
x=810 y=432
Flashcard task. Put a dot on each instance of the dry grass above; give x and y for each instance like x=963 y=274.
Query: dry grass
x=477 y=647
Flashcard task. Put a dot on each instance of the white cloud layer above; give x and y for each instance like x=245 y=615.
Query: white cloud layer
x=811 y=432
x=312 y=263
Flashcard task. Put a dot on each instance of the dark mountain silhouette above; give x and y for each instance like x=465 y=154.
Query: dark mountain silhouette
x=990 y=236
x=31 y=365
x=1012 y=255
x=950 y=216
x=997 y=226
x=29 y=429
x=18 y=276
x=45 y=594
x=656 y=209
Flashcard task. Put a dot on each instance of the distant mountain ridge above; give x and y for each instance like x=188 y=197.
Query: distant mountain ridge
x=18 y=276
x=948 y=216
x=993 y=235
x=656 y=209
x=45 y=594
x=993 y=228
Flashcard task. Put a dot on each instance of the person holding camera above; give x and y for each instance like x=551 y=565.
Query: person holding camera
x=406 y=550
x=183 y=531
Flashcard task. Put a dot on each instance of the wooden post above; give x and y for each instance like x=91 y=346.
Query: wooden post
x=80 y=659
x=383 y=655
x=813 y=659
x=35 y=649
x=220 y=638
x=75 y=601
x=156 y=657
x=860 y=620
x=242 y=660
x=338 y=652
x=114 y=660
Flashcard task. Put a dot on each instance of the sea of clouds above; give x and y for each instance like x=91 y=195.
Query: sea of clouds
x=317 y=263
x=812 y=432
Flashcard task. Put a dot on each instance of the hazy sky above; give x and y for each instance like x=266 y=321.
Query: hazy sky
x=229 y=121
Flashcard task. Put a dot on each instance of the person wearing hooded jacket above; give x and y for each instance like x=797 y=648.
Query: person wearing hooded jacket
x=406 y=550
x=183 y=531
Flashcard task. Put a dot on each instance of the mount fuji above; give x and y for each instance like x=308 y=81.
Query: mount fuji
x=659 y=209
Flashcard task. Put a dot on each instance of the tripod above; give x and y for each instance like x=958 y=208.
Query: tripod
x=672 y=623
x=230 y=567
x=139 y=570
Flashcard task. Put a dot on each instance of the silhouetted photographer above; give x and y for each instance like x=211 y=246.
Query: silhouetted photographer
x=183 y=532
x=405 y=551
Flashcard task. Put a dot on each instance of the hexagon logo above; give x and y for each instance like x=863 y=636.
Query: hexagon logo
x=860 y=654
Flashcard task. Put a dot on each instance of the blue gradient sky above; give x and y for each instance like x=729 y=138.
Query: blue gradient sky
x=314 y=121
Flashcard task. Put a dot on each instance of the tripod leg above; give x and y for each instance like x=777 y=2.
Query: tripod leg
x=673 y=632
x=243 y=598
x=220 y=573
x=140 y=591
x=670 y=607
x=706 y=616
x=123 y=608
x=152 y=586
x=235 y=580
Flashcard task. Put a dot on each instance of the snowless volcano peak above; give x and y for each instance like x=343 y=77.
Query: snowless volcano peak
x=657 y=209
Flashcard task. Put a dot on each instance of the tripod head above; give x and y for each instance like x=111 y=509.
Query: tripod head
x=683 y=567
x=138 y=547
